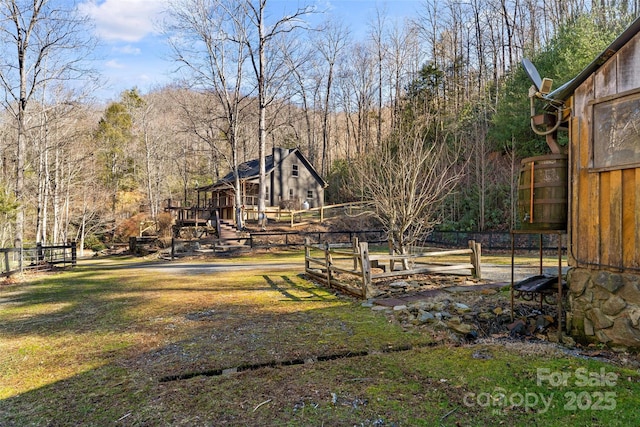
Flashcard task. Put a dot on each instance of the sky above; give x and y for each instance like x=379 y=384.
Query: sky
x=134 y=54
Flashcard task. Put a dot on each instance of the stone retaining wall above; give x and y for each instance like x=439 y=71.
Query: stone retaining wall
x=604 y=307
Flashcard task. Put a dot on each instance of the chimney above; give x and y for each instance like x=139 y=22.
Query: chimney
x=278 y=154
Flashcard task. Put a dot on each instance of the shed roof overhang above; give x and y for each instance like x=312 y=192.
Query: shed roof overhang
x=565 y=91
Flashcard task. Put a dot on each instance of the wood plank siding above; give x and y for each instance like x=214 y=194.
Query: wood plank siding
x=604 y=165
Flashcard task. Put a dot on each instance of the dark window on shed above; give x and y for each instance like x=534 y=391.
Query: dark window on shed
x=309 y=194
x=616 y=132
x=294 y=170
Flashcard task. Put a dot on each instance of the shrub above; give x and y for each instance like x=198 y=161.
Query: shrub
x=129 y=227
x=165 y=221
x=93 y=243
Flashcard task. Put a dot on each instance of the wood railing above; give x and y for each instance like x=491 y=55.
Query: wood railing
x=301 y=217
x=350 y=268
x=40 y=258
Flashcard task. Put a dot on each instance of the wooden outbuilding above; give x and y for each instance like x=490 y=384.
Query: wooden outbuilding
x=601 y=108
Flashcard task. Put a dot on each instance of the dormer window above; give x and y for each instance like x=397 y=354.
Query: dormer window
x=294 y=170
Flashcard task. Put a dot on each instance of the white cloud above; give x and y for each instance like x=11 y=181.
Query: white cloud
x=128 y=50
x=114 y=64
x=124 y=20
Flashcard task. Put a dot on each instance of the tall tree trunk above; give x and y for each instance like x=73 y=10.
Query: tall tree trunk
x=56 y=235
x=20 y=166
x=262 y=120
x=325 y=122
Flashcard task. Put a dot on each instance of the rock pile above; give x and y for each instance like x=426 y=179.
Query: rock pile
x=466 y=315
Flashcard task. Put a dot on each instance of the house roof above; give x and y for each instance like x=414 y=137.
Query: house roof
x=250 y=170
x=566 y=90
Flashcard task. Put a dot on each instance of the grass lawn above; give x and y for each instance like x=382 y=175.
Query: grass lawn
x=118 y=342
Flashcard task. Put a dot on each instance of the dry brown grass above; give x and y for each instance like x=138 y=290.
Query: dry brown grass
x=107 y=344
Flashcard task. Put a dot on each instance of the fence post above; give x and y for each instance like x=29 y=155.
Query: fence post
x=476 y=250
x=366 y=270
x=392 y=265
x=39 y=253
x=132 y=244
x=328 y=261
x=321 y=214
x=173 y=248
x=307 y=253
x=74 y=253
x=355 y=246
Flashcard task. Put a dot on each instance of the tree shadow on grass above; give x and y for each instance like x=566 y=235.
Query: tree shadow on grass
x=287 y=287
x=114 y=378
x=77 y=302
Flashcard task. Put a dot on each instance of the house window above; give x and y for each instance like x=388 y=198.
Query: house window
x=266 y=193
x=294 y=170
x=291 y=193
x=309 y=194
x=616 y=132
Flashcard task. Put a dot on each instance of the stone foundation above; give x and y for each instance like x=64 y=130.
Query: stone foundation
x=604 y=308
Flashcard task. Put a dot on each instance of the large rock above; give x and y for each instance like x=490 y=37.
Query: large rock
x=585 y=300
x=601 y=295
x=610 y=282
x=588 y=328
x=613 y=305
x=461 y=328
x=623 y=333
x=440 y=305
x=630 y=292
x=461 y=308
x=399 y=284
x=426 y=317
x=602 y=337
x=599 y=319
x=634 y=317
x=578 y=280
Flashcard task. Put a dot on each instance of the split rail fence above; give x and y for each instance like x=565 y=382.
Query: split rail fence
x=350 y=269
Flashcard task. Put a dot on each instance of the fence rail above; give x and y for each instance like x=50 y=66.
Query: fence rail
x=326 y=262
x=301 y=217
x=491 y=240
x=295 y=238
x=38 y=258
x=498 y=241
x=495 y=240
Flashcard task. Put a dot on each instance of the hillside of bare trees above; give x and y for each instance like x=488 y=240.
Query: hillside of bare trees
x=248 y=80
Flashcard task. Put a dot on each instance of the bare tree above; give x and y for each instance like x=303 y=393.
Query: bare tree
x=266 y=71
x=53 y=141
x=331 y=42
x=359 y=94
x=406 y=178
x=40 y=41
x=218 y=28
x=377 y=36
x=402 y=62
x=302 y=61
